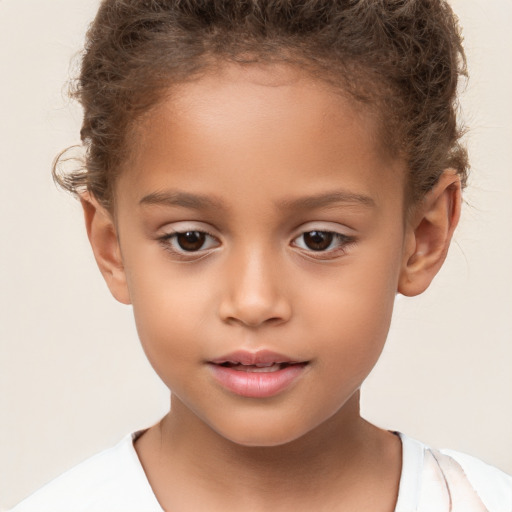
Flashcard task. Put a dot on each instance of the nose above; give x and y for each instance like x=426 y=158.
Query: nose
x=254 y=294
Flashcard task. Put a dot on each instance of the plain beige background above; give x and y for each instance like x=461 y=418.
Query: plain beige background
x=73 y=377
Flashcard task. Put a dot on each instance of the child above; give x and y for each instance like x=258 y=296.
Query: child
x=261 y=179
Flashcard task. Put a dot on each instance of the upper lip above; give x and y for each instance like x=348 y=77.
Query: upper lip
x=252 y=358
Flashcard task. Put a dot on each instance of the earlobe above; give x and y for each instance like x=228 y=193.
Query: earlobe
x=102 y=235
x=429 y=234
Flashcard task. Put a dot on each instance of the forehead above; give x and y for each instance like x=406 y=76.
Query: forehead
x=262 y=93
x=261 y=124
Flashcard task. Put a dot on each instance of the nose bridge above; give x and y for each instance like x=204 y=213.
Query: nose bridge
x=255 y=291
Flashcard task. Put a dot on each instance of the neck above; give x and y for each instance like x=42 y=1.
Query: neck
x=182 y=427
x=335 y=455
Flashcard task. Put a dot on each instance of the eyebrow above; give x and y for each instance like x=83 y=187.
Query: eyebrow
x=327 y=199
x=183 y=199
x=205 y=202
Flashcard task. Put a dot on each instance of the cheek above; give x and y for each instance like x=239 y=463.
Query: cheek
x=170 y=307
x=354 y=334
x=350 y=342
x=351 y=311
x=160 y=289
x=169 y=321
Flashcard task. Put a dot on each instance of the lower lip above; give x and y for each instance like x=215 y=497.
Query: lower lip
x=257 y=384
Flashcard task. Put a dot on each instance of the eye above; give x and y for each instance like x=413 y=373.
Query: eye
x=189 y=241
x=323 y=241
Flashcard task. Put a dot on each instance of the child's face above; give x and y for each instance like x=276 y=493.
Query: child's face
x=269 y=164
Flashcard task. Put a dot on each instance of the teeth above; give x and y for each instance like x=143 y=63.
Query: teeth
x=257 y=367
x=267 y=368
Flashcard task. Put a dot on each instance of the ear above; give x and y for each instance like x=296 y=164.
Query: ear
x=429 y=233
x=102 y=234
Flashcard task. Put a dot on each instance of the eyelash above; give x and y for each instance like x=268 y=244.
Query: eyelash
x=343 y=243
x=169 y=240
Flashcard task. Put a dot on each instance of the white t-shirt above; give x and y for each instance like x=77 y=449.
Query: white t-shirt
x=431 y=481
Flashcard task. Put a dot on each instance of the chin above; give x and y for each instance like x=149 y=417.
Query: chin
x=260 y=440
x=262 y=433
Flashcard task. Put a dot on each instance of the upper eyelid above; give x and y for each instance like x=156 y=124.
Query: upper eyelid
x=184 y=226
x=341 y=230
x=180 y=226
x=348 y=238
x=325 y=226
x=170 y=229
x=172 y=232
x=167 y=231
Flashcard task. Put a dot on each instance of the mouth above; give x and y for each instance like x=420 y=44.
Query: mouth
x=258 y=359
x=258 y=368
x=260 y=374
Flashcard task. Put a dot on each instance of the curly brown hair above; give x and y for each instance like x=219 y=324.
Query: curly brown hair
x=402 y=57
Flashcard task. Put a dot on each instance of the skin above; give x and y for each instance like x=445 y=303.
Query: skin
x=254 y=140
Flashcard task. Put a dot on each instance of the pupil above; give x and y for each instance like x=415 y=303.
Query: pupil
x=318 y=240
x=191 y=240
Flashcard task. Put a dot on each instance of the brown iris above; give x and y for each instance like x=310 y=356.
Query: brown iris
x=191 y=240
x=318 y=240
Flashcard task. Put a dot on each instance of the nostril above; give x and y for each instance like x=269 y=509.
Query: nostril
x=254 y=322
x=254 y=302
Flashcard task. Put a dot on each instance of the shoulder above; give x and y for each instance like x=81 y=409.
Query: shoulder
x=439 y=480
x=493 y=486
x=112 y=481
